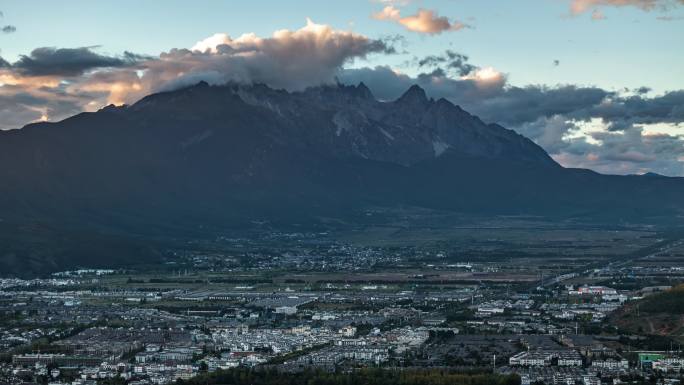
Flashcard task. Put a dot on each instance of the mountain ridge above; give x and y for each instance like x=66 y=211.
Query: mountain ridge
x=227 y=155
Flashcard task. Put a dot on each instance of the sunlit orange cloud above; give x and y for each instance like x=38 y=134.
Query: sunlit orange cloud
x=44 y=114
x=425 y=21
x=315 y=39
x=10 y=78
x=118 y=86
x=118 y=93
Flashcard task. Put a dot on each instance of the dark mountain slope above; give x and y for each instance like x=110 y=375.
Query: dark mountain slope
x=224 y=156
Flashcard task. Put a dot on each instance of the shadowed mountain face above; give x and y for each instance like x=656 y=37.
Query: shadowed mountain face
x=225 y=156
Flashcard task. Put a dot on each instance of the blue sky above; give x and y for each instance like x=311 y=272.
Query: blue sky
x=597 y=83
x=522 y=38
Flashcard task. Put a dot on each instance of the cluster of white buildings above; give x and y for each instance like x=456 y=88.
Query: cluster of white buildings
x=82 y=272
x=592 y=290
x=669 y=365
x=271 y=341
x=374 y=348
x=611 y=364
x=547 y=358
x=7 y=283
x=498 y=307
x=572 y=311
x=606 y=293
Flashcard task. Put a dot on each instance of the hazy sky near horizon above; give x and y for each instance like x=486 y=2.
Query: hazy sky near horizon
x=597 y=83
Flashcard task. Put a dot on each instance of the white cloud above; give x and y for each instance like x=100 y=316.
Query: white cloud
x=210 y=43
x=288 y=59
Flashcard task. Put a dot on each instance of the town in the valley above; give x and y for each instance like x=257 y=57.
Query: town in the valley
x=296 y=302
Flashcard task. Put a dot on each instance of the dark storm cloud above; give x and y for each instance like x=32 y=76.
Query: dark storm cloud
x=50 y=61
x=449 y=60
x=21 y=104
x=497 y=101
x=517 y=105
x=668 y=108
x=134 y=58
x=492 y=99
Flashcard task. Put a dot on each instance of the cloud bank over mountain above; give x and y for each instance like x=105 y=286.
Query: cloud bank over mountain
x=39 y=84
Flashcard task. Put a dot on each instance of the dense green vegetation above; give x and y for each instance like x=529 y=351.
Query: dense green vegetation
x=360 y=377
x=671 y=301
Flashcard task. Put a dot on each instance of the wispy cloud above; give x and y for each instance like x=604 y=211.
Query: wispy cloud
x=581 y=6
x=670 y=18
x=597 y=15
x=7 y=28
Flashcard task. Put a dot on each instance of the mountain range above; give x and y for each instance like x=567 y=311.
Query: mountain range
x=101 y=187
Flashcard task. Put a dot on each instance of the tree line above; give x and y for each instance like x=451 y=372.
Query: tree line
x=369 y=376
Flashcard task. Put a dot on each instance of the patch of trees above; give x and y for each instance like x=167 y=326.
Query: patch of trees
x=364 y=376
x=671 y=301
